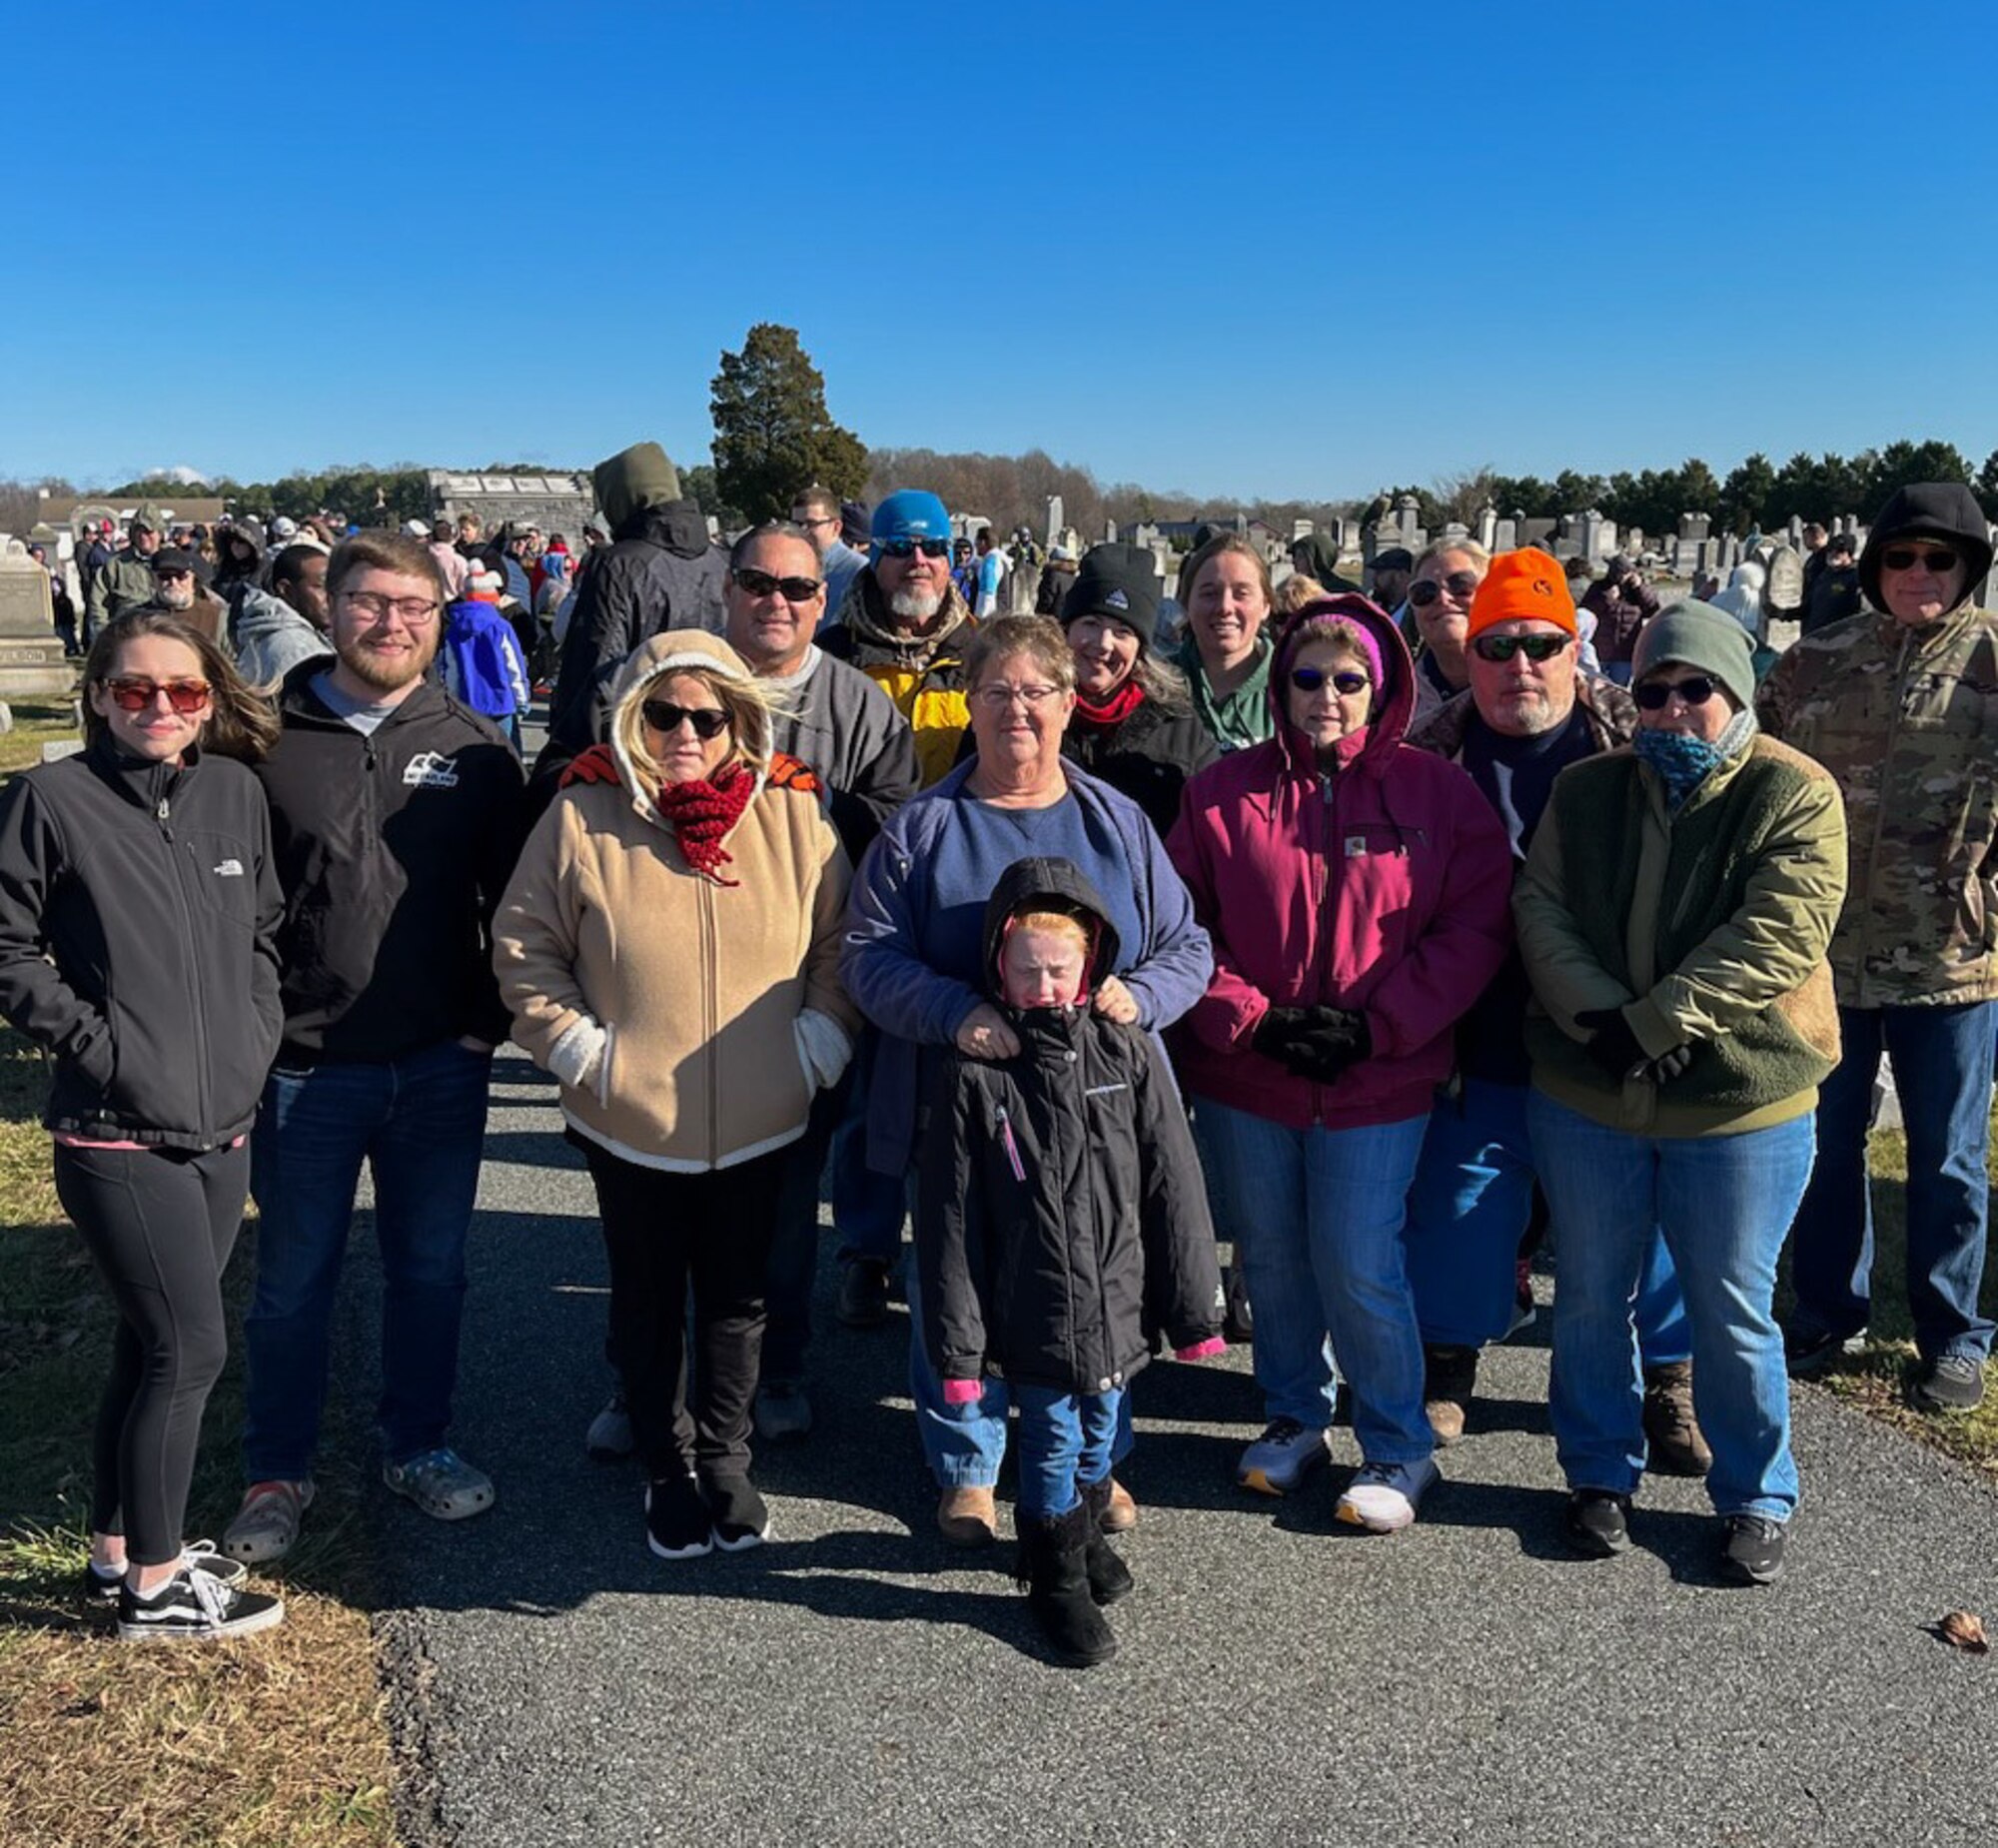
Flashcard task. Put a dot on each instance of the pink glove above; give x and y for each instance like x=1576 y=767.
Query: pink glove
x=1202 y=1350
x=963 y=1392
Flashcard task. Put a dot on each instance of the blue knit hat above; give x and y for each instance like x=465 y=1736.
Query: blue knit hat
x=910 y=513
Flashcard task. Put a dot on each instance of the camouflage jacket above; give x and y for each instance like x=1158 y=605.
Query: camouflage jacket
x=1907 y=722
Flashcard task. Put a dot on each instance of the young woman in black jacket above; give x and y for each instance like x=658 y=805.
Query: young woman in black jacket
x=138 y=907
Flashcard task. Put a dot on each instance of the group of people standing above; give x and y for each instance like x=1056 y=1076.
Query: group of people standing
x=1084 y=944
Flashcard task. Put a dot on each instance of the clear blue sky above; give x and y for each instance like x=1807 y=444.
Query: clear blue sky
x=1279 y=250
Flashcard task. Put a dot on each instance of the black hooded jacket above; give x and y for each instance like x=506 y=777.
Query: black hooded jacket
x=1060 y=1214
x=139 y=907
x=1149 y=757
x=1946 y=511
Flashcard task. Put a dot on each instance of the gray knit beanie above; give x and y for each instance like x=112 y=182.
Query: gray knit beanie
x=1699 y=635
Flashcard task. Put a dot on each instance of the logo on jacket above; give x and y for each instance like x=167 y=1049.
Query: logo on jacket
x=230 y=869
x=430 y=770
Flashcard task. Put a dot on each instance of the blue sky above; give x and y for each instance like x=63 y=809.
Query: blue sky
x=1287 y=251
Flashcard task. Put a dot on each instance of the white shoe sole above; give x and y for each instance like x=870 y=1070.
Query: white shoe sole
x=1390 y=1522
x=679 y=1552
x=244 y=1626
x=748 y=1540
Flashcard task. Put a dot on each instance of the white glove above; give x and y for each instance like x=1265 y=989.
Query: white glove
x=823 y=1048
x=580 y=1053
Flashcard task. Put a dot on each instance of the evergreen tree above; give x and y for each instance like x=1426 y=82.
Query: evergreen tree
x=772 y=433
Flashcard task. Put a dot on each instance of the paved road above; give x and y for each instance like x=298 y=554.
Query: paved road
x=1281 y=1680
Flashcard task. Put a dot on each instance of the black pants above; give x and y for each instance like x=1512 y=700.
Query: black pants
x=160 y=1226
x=666 y=1233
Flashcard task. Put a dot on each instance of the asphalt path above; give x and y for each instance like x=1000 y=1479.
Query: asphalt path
x=1280 y=1680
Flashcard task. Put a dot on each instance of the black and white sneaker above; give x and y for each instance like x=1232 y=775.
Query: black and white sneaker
x=195 y=1606
x=740 y=1519
x=677 y=1523
x=101 y=1585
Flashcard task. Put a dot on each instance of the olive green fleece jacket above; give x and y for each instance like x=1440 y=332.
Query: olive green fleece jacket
x=1707 y=928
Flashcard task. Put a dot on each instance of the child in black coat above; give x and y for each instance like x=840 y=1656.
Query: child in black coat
x=1061 y=1221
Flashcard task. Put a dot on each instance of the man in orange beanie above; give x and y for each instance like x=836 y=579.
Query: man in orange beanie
x=1528 y=713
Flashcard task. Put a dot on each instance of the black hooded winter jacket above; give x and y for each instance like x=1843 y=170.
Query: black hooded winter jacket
x=1060 y=1214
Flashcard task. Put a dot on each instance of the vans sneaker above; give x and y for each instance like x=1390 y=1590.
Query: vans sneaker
x=101 y=1585
x=1382 y=1497
x=1282 y=1457
x=195 y=1606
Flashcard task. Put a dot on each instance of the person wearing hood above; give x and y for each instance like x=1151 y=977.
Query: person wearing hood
x=1226 y=591
x=242 y=560
x=1355 y=892
x=661 y=573
x=905 y=626
x=1831 y=590
x=1059 y=1218
x=1315 y=556
x=274 y=631
x=480 y=658
x=1900 y=703
x=669 y=948
x=1674 y=917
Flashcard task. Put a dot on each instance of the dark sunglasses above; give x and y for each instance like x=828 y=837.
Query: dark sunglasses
x=132 y=692
x=1459 y=583
x=1906 y=558
x=907 y=548
x=1346 y=681
x=1533 y=648
x=763 y=584
x=1696 y=691
x=708 y=722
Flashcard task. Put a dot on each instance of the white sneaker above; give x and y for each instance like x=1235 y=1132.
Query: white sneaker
x=1281 y=1459
x=1382 y=1497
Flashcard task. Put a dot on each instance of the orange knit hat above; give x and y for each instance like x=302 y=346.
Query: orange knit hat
x=1522 y=586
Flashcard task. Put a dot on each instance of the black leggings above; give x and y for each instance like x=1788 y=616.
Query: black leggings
x=160 y=1225
x=664 y=1232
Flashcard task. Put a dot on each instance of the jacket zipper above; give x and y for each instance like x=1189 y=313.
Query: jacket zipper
x=205 y=1110
x=711 y=977
x=1007 y=1143
x=1327 y=830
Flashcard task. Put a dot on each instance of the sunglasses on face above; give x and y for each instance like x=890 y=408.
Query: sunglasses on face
x=708 y=722
x=133 y=692
x=1938 y=558
x=907 y=548
x=1347 y=681
x=1533 y=648
x=763 y=584
x=1655 y=694
x=1459 y=583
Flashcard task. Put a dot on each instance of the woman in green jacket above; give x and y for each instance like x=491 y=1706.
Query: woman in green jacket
x=1673 y=916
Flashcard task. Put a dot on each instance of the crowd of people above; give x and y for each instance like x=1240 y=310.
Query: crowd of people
x=1379 y=936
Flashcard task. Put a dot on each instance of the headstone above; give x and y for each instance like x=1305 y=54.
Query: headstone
x=1684 y=554
x=1505 y=535
x=1694 y=527
x=1455 y=532
x=1598 y=537
x=1488 y=526
x=1784 y=591
x=31 y=657
x=1110 y=532
x=1301 y=529
x=1057 y=519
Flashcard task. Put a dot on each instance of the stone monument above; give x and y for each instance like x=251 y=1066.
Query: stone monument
x=31 y=657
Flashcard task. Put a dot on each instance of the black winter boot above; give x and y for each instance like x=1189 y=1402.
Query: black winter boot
x=1051 y=1566
x=1109 y=1576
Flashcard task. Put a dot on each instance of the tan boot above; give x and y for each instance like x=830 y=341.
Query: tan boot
x=1122 y=1515
x=1671 y=1433
x=968 y=1516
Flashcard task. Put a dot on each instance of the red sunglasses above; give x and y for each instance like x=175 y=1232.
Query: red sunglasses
x=133 y=692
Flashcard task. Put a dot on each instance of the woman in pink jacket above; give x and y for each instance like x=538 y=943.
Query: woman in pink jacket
x=1356 y=891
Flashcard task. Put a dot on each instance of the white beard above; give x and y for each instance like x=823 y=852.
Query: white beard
x=915 y=605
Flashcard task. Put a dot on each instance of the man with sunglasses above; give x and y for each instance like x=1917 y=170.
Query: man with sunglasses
x=1529 y=713
x=395 y=815
x=905 y=626
x=1899 y=701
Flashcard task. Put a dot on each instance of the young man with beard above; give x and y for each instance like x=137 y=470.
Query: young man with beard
x=905 y=626
x=395 y=815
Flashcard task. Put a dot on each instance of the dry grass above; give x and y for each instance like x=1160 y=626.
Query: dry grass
x=35 y=724
x=277 y=1741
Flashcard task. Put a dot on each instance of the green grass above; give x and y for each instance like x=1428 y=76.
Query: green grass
x=36 y=722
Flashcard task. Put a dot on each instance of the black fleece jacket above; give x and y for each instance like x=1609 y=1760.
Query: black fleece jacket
x=394 y=851
x=138 y=909
x=1061 y=1218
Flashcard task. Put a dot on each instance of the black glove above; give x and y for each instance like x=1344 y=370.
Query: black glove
x=1275 y=1031
x=1611 y=1043
x=1316 y=1042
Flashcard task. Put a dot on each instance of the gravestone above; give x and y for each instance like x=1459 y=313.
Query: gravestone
x=1110 y=532
x=1598 y=537
x=31 y=657
x=1694 y=527
x=1785 y=591
x=1488 y=526
x=1505 y=535
x=1057 y=519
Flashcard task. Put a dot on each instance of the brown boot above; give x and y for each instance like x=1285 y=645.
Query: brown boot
x=1671 y=1433
x=1449 y=1375
x=1122 y=1515
x=968 y=1516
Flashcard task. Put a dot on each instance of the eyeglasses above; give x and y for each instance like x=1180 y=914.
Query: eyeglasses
x=907 y=548
x=763 y=584
x=1932 y=558
x=1346 y=681
x=824 y=520
x=414 y=611
x=1459 y=584
x=998 y=698
x=708 y=722
x=134 y=692
x=171 y=577
x=1533 y=648
x=1653 y=694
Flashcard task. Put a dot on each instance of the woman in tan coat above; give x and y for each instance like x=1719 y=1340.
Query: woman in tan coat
x=668 y=947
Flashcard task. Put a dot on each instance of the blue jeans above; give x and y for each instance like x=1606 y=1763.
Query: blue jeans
x=1468 y=1210
x=1066 y=1438
x=1323 y=1212
x=794 y=1245
x=1723 y=1203
x=419 y=1122
x=867 y=1207
x=1942 y=1068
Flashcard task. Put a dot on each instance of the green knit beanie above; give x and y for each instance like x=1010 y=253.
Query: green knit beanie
x=1699 y=635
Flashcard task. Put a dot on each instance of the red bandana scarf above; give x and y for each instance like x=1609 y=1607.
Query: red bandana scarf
x=700 y=812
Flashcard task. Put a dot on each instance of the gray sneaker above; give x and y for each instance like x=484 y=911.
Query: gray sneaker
x=442 y=1484
x=1949 y=1382
x=609 y=1435
x=783 y=1412
x=267 y=1525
